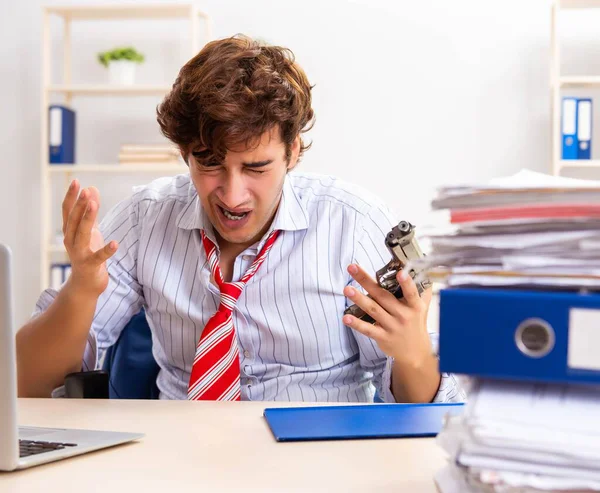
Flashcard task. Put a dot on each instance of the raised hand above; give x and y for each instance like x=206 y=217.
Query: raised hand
x=83 y=240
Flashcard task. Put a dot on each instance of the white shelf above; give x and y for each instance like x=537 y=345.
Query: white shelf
x=580 y=163
x=116 y=12
x=117 y=168
x=105 y=90
x=559 y=82
x=199 y=32
x=580 y=80
x=579 y=4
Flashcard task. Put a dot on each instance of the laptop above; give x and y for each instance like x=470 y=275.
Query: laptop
x=22 y=447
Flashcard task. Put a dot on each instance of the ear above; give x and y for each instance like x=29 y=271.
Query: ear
x=294 y=153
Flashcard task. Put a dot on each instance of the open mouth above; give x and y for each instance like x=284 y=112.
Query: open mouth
x=233 y=216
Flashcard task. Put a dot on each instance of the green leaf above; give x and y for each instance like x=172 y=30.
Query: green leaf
x=125 y=53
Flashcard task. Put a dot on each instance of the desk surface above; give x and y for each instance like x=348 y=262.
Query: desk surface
x=209 y=446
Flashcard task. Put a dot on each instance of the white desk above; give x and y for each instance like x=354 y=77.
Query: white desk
x=206 y=447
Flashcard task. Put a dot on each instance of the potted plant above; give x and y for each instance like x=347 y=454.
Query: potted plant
x=121 y=64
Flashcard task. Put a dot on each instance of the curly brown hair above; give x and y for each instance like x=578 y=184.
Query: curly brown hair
x=234 y=90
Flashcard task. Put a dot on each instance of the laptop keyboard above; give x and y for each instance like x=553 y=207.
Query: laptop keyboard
x=32 y=447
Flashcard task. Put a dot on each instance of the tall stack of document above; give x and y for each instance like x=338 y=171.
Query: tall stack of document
x=523 y=437
x=529 y=229
x=520 y=317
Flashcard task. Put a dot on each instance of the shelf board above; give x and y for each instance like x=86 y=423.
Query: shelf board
x=579 y=4
x=580 y=80
x=580 y=163
x=132 y=11
x=103 y=90
x=117 y=168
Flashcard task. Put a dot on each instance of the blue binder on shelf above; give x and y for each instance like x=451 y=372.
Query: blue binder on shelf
x=584 y=128
x=59 y=273
x=569 y=128
x=291 y=424
x=61 y=134
x=543 y=336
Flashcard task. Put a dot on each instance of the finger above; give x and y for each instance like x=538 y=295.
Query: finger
x=409 y=289
x=383 y=297
x=105 y=253
x=370 y=306
x=75 y=217
x=83 y=234
x=68 y=201
x=426 y=296
x=373 y=331
x=95 y=196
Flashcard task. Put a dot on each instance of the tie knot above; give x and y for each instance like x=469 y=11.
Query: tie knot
x=230 y=292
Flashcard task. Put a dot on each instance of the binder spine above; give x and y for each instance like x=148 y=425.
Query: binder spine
x=584 y=128
x=569 y=128
x=61 y=135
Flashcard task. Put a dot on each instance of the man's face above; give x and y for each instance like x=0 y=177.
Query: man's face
x=241 y=194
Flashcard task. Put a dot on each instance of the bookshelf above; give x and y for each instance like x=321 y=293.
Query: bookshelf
x=559 y=82
x=200 y=31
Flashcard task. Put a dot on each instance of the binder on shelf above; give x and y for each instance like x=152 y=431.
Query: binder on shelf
x=569 y=128
x=61 y=134
x=542 y=336
x=584 y=128
x=59 y=273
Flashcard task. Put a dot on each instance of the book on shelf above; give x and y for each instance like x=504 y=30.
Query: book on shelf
x=147 y=158
x=148 y=153
x=151 y=148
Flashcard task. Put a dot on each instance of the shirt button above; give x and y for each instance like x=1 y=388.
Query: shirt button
x=247 y=353
x=246 y=257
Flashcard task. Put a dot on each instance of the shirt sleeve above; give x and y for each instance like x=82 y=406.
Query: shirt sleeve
x=123 y=296
x=371 y=253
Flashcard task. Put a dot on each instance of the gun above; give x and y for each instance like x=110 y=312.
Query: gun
x=403 y=246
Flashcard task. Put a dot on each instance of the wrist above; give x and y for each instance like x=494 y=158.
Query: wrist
x=417 y=359
x=80 y=291
x=416 y=379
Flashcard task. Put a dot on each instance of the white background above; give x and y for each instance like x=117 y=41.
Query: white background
x=408 y=96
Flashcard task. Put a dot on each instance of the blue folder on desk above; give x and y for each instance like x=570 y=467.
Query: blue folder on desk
x=290 y=424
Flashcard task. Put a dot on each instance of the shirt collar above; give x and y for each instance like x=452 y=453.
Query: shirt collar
x=291 y=214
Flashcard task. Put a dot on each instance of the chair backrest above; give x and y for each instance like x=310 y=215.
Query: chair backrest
x=130 y=363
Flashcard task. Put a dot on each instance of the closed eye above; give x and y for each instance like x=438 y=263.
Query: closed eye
x=254 y=166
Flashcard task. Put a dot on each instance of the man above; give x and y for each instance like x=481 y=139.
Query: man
x=244 y=270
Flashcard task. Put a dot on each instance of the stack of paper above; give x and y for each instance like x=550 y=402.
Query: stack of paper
x=516 y=437
x=148 y=154
x=529 y=229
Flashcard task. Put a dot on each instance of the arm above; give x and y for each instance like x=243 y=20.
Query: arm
x=401 y=333
x=398 y=348
x=416 y=383
x=51 y=345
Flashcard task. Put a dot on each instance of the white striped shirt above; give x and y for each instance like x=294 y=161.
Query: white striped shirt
x=292 y=341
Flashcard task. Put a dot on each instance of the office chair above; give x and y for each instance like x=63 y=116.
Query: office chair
x=129 y=370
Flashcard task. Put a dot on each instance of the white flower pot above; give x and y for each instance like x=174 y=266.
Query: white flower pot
x=121 y=72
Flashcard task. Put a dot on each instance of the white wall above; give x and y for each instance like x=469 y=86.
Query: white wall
x=408 y=96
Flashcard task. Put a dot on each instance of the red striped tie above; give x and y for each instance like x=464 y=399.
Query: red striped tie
x=216 y=369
